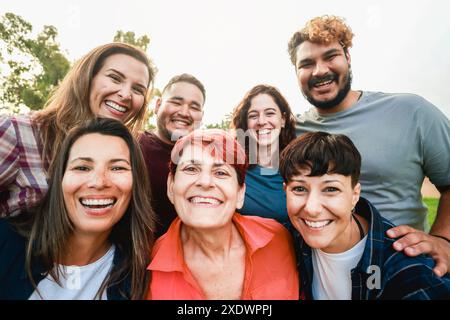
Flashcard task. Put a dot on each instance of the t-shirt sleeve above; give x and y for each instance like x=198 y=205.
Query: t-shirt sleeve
x=434 y=130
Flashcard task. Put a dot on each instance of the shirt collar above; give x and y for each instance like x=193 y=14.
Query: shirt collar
x=373 y=252
x=168 y=252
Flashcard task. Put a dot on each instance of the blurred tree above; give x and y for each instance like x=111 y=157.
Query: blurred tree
x=29 y=68
x=224 y=123
x=130 y=38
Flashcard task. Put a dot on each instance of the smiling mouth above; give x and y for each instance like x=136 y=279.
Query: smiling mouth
x=98 y=203
x=207 y=201
x=181 y=122
x=115 y=106
x=264 y=132
x=317 y=224
x=321 y=82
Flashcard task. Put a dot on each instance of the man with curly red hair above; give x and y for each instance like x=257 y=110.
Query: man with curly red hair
x=402 y=137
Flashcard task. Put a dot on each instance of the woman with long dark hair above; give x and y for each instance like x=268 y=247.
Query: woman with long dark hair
x=90 y=236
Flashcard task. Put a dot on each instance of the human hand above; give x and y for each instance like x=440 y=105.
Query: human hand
x=414 y=242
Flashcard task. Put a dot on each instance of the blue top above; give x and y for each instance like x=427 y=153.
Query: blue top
x=264 y=195
x=400 y=276
x=14 y=281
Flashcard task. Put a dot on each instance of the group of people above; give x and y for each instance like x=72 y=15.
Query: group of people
x=325 y=205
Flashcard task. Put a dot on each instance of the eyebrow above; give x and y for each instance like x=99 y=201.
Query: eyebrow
x=331 y=51
x=196 y=162
x=326 y=181
x=123 y=76
x=326 y=53
x=266 y=109
x=88 y=159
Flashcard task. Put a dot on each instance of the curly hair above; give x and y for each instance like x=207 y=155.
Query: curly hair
x=323 y=30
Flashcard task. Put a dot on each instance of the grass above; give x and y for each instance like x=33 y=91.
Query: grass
x=432 y=204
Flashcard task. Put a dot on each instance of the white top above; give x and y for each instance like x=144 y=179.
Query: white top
x=77 y=282
x=332 y=272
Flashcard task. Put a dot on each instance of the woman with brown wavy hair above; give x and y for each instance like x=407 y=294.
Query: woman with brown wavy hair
x=264 y=124
x=113 y=80
x=91 y=235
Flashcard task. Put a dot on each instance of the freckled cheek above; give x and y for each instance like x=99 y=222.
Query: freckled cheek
x=70 y=186
x=124 y=184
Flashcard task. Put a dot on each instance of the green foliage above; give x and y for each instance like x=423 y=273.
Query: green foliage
x=29 y=68
x=432 y=204
x=130 y=38
x=224 y=123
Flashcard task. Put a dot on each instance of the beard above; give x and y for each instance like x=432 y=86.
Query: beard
x=342 y=93
x=171 y=136
x=161 y=126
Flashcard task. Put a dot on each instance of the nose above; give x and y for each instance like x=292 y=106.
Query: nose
x=313 y=205
x=125 y=93
x=320 y=69
x=261 y=120
x=184 y=110
x=205 y=180
x=99 y=179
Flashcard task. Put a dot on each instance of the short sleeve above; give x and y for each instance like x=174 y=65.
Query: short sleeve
x=434 y=128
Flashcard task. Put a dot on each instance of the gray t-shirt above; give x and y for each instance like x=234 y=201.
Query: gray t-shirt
x=401 y=138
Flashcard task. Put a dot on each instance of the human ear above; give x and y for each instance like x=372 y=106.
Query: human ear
x=356 y=194
x=157 y=105
x=241 y=197
x=170 y=179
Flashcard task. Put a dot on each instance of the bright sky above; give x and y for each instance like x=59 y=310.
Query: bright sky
x=231 y=45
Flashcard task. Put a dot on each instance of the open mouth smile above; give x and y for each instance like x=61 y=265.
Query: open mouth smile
x=116 y=106
x=205 y=201
x=317 y=224
x=98 y=204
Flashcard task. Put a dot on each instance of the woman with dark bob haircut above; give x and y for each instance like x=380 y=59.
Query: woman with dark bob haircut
x=90 y=237
x=264 y=125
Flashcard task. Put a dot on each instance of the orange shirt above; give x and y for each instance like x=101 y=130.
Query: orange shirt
x=270 y=271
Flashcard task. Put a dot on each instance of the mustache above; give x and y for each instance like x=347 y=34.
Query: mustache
x=315 y=80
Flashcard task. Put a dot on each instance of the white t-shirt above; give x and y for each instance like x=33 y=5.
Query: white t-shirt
x=332 y=272
x=77 y=282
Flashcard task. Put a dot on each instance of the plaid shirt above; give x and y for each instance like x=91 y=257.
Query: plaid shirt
x=382 y=272
x=23 y=180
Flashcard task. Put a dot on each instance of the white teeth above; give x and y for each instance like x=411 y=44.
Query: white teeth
x=115 y=106
x=317 y=224
x=324 y=83
x=97 y=202
x=184 y=123
x=264 y=131
x=205 y=200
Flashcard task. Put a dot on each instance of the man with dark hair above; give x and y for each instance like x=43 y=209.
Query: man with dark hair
x=340 y=238
x=179 y=111
x=402 y=137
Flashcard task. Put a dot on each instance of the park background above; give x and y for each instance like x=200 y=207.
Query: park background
x=230 y=45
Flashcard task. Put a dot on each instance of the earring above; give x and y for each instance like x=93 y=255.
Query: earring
x=353 y=210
